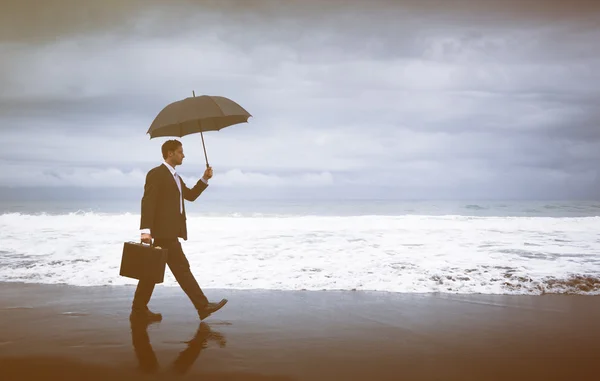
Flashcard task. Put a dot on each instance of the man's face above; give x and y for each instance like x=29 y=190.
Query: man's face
x=177 y=155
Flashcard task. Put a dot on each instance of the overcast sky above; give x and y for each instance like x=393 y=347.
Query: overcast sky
x=452 y=99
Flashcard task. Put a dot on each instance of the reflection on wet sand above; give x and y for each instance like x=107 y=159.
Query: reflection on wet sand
x=73 y=368
x=148 y=362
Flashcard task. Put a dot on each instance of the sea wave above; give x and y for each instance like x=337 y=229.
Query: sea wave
x=418 y=253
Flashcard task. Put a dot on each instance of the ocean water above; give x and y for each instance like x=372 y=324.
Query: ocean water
x=396 y=246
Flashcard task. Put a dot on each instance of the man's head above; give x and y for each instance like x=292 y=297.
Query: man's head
x=172 y=152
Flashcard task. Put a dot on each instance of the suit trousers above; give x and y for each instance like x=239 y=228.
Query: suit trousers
x=180 y=267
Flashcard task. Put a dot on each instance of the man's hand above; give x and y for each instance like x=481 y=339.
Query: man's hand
x=146 y=238
x=208 y=173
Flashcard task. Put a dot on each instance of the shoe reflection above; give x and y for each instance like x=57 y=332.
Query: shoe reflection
x=147 y=360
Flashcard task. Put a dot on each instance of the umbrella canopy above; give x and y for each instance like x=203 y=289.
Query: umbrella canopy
x=197 y=114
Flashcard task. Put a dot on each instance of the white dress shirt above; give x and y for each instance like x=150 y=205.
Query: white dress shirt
x=178 y=182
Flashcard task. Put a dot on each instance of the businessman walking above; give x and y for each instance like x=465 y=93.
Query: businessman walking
x=163 y=220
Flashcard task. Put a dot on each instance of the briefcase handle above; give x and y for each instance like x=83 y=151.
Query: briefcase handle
x=150 y=244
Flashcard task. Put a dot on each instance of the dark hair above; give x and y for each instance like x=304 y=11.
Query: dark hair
x=169 y=145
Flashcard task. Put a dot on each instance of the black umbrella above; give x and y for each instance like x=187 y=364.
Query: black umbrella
x=197 y=114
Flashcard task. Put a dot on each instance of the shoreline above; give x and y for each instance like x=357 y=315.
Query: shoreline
x=74 y=332
x=583 y=278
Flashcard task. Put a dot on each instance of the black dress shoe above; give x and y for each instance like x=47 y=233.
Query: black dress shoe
x=211 y=308
x=144 y=314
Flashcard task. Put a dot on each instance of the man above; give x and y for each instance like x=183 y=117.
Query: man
x=164 y=220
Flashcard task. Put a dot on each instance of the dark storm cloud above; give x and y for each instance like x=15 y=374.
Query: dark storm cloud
x=76 y=109
x=451 y=98
x=64 y=16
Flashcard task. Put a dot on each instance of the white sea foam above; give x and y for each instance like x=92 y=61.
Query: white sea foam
x=455 y=254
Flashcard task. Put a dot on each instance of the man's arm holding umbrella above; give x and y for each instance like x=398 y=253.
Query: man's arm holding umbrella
x=201 y=185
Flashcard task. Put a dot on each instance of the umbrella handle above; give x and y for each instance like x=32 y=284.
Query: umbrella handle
x=203 y=147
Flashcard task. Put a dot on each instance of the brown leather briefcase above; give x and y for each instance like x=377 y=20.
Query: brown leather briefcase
x=143 y=261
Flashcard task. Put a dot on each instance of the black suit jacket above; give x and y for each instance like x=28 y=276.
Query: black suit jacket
x=160 y=204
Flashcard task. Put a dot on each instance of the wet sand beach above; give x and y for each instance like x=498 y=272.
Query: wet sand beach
x=54 y=332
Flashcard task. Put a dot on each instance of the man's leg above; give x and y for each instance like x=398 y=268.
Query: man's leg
x=139 y=307
x=142 y=296
x=180 y=267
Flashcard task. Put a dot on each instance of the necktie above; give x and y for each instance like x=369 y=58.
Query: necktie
x=180 y=195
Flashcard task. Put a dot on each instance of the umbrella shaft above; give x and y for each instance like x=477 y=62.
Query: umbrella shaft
x=202 y=136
